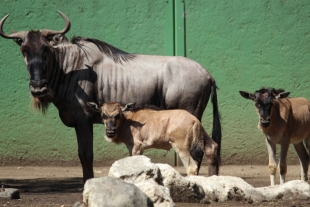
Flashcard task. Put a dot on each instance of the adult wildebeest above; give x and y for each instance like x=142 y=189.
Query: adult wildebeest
x=71 y=73
x=143 y=128
x=283 y=120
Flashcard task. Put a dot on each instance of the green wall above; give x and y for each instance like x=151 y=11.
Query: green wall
x=249 y=44
x=245 y=44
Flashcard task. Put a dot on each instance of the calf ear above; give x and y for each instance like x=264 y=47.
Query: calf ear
x=93 y=106
x=282 y=95
x=246 y=95
x=129 y=107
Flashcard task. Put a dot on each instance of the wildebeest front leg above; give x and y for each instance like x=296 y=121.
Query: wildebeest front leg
x=134 y=150
x=85 y=150
x=272 y=161
x=282 y=163
x=303 y=158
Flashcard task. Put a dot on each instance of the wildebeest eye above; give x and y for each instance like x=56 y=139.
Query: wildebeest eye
x=19 y=41
x=56 y=38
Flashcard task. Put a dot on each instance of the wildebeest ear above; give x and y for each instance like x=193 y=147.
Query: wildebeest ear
x=93 y=106
x=246 y=95
x=282 y=95
x=129 y=107
x=57 y=39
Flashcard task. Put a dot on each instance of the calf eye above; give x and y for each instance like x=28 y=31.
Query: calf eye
x=116 y=116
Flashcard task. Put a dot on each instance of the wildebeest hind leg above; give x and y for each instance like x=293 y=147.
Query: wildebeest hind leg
x=189 y=163
x=303 y=158
x=212 y=158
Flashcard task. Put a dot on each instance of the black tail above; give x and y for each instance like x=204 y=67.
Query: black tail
x=217 y=129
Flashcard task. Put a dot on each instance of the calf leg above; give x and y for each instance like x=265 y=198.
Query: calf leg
x=189 y=163
x=134 y=149
x=272 y=165
x=282 y=163
x=303 y=158
x=212 y=158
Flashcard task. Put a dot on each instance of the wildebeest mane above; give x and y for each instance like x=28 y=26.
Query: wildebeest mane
x=40 y=104
x=112 y=52
x=269 y=90
x=150 y=107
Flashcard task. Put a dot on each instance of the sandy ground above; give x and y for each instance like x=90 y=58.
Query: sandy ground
x=63 y=186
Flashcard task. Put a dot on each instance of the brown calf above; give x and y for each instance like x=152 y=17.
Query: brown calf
x=141 y=129
x=283 y=120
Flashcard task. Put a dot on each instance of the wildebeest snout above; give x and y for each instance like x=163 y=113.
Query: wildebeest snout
x=39 y=88
x=38 y=83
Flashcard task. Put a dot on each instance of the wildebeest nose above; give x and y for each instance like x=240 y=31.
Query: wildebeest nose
x=38 y=83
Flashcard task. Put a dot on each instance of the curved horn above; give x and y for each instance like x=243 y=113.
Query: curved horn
x=47 y=32
x=15 y=35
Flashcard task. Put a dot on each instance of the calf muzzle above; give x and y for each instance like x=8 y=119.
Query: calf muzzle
x=265 y=122
x=110 y=133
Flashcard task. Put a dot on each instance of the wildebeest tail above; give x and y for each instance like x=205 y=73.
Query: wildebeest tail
x=197 y=154
x=217 y=129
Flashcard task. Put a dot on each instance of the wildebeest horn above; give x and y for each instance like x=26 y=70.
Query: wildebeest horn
x=47 y=32
x=15 y=35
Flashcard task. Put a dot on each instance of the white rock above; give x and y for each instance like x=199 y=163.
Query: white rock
x=159 y=194
x=225 y=188
x=9 y=194
x=292 y=190
x=108 y=191
x=135 y=169
x=181 y=189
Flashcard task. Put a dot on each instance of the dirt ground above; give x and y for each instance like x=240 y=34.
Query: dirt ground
x=63 y=186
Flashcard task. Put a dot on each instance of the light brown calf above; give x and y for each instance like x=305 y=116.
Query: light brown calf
x=283 y=120
x=141 y=129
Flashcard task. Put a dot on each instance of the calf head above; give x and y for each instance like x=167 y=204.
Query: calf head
x=111 y=115
x=264 y=101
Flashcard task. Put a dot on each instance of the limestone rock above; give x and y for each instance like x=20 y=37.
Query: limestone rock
x=108 y=191
x=291 y=190
x=181 y=188
x=135 y=169
x=9 y=194
x=159 y=194
x=225 y=188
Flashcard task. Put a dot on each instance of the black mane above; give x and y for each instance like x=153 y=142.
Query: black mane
x=150 y=107
x=269 y=90
x=112 y=52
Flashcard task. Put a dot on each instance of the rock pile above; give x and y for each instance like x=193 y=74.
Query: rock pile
x=135 y=179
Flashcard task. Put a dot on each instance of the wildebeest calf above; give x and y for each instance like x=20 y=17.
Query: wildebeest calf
x=283 y=120
x=145 y=128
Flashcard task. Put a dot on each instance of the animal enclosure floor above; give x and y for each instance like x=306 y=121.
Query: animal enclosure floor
x=63 y=186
